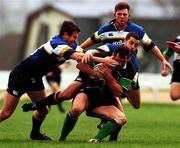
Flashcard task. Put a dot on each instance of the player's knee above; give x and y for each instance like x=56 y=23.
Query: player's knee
x=76 y=111
x=122 y=119
x=174 y=97
x=5 y=114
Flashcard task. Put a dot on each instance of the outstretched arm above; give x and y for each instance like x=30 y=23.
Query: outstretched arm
x=87 y=43
x=107 y=60
x=165 y=65
x=85 y=68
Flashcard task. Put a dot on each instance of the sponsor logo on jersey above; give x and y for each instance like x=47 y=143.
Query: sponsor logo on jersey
x=15 y=92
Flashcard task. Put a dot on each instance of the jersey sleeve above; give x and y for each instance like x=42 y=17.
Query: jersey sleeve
x=146 y=41
x=61 y=50
x=95 y=37
x=107 y=48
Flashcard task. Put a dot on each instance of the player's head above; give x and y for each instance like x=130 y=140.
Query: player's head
x=69 y=31
x=122 y=13
x=121 y=54
x=132 y=41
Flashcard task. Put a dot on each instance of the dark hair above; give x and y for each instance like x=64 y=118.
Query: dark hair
x=132 y=34
x=122 y=50
x=121 y=5
x=69 y=27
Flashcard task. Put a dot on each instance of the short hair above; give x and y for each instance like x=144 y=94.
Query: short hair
x=69 y=27
x=121 y=6
x=122 y=50
x=132 y=34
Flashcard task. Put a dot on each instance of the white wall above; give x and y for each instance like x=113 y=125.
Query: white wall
x=147 y=80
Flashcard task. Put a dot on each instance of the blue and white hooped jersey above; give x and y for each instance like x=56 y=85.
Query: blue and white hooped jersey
x=111 y=47
x=53 y=53
x=108 y=33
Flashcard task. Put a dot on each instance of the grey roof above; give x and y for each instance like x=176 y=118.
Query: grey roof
x=140 y=8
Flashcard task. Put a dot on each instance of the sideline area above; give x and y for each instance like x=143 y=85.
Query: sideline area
x=154 y=87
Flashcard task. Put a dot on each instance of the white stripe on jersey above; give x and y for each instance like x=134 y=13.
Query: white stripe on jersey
x=47 y=46
x=104 y=48
x=61 y=49
x=146 y=40
x=113 y=34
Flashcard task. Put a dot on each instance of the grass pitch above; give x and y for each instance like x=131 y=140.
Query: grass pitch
x=152 y=126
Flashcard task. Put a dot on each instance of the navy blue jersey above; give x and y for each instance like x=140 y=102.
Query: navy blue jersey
x=53 y=53
x=110 y=49
x=108 y=33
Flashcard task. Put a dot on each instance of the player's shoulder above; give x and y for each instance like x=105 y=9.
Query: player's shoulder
x=57 y=40
x=133 y=26
x=106 y=27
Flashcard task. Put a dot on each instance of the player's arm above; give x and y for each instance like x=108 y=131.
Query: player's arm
x=165 y=65
x=110 y=80
x=85 y=68
x=148 y=44
x=91 y=40
x=87 y=43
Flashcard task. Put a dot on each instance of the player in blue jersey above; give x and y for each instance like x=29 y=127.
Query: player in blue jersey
x=131 y=41
x=115 y=32
x=26 y=77
x=173 y=49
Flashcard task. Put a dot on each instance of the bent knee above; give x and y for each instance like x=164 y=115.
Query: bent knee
x=174 y=97
x=122 y=119
x=5 y=115
x=75 y=112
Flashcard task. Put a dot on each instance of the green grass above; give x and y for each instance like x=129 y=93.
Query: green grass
x=152 y=126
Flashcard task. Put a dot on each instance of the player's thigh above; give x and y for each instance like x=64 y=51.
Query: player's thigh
x=36 y=96
x=80 y=101
x=10 y=104
x=117 y=103
x=175 y=90
x=71 y=90
x=54 y=86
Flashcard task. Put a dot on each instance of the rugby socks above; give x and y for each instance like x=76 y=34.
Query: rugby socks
x=114 y=135
x=36 y=124
x=49 y=100
x=68 y=126
x=108 y=128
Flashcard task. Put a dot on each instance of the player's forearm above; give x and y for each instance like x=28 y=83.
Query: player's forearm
x=77 y=56
x=114 y=86
x=156 y=51
x=85 y=68
x=87 y=43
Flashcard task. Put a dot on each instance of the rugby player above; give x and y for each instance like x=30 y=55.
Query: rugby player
x=99 y=96
x=173 y=49
x=26 y=77
x=115 y=32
